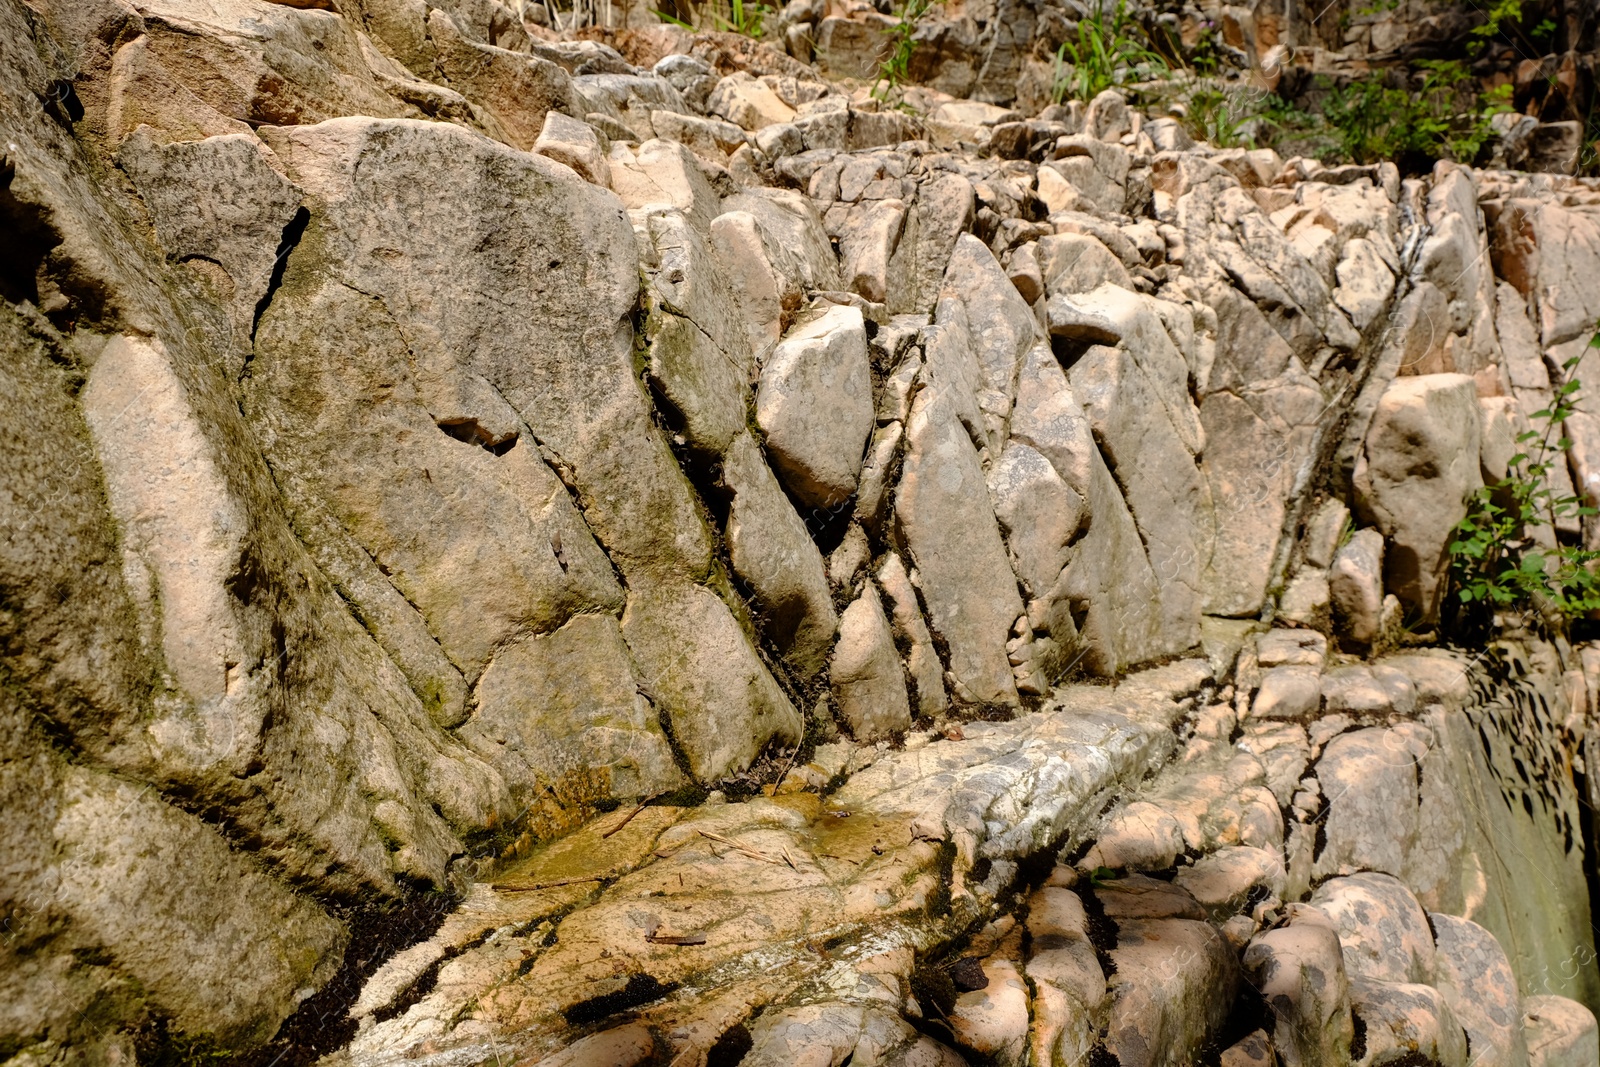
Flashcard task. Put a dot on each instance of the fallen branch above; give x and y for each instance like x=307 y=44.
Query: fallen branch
x=533 y=887
x=745 y=849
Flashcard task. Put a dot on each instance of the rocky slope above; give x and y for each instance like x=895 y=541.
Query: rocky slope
x=423 y=434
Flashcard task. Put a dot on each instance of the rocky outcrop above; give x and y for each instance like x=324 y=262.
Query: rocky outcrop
x=573 y=489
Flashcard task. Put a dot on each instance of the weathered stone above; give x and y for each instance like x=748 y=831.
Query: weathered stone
x=663 y=174
x=1365 y=282
x=561 y=717
x=748 y=102
x=954 y=541
x=867 y=245
x=700 y=359
x=1383 y=932
x=1559 y=1032
x=708 y=138
x=771 y=550
x=922 y=661
x=1000 y=323
x=1407 y=1020
x=1472 y=972
x=814 y=405
x=699 y=666
x=1069 y=986
x=1288 y=693
x=1291 y=648
x=1174 y=983
x=992 y=1022
x=1138 y=836
x=574 y=143
x=1224 y=881
x=1419 y=462
x=868 y=687
x=1355 y=585
x=1299 y=971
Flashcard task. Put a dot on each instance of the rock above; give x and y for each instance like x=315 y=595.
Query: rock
x=1305 y=598
x=867 y=245
x=574 y=143
x=1291 y=648
x=700 y=360
x=1136 y=897
x=699 y=667
x=771 y=550
x=1365 y=282
x=1299 y=971
x=922 y=661
x=1077 y=263
x=762 y=278
x=954 y=541
x=1224 y=881
x=1023 y=270
x=1355 y=586
x=1407 y=1020
x=560 y=715
x=1000 y=324
x=1546 y=251
x=1257 y=438
x=1288 y=693
x=1138 y=836
x=708 y=138
x=1324 y=532
x=1039 y=514
x=1416 y=468
x=1559 y=1032
x=1383 y=932
x=814 y=405
x=1473 y=973
x=1068 y=985
x=1096 y=171
x=624 y=1046
x=663 y=174
x=748 y=102
x=992 y=1022
x=1253 y=1050
x=835 y=1031
x=869 y=689
x=1370 y=778
x=1174 y=983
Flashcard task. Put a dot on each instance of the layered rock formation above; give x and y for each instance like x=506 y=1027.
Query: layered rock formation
x=422 y=436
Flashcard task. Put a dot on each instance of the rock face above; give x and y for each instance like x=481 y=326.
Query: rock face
x=504 y=527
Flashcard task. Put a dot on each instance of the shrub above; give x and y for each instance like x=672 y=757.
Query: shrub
x=1497 y=561
x=1373 y=121
x=896 y=66
x=1109 y=51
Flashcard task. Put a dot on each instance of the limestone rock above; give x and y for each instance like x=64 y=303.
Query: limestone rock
x=771 y=550
x=1299 y=971
x=567 y=140
x=1383 y=932
x=1407 y=1019
x=954 y=540
x=992 y=1022
x=1416 y=468
x=814 y=405
x=1473 y=973
x=1355 y=585
x=1370 y=777
x=1559 y=1032
x=868 y=687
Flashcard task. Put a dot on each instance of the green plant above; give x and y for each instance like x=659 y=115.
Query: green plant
x=1109 y=52
x=1220 y=117
x=1497 y=558
x=1372 y=121
x=896 y=65
x=743 y=18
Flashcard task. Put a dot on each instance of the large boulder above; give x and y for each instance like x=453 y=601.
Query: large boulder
x=1416 y=469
